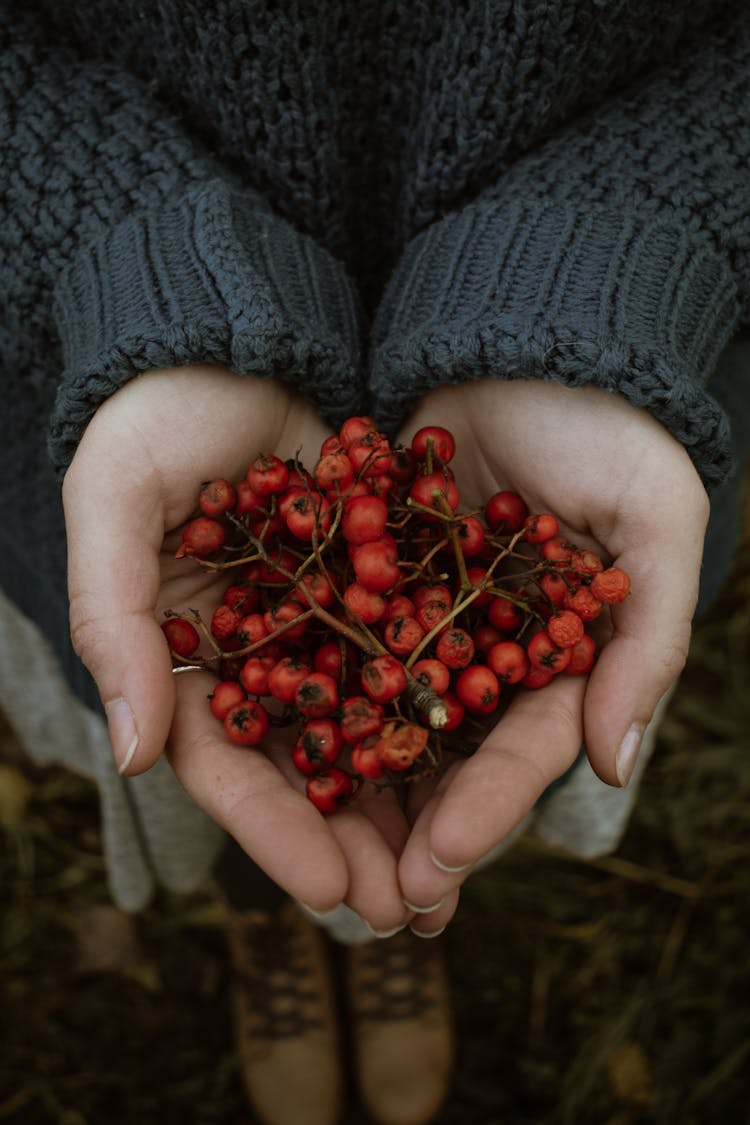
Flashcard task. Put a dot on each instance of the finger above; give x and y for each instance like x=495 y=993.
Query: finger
x=372 y=833
x=430 y=923
x=480 y=801
x=247 y=794
x=114 y=537
x=649 y=642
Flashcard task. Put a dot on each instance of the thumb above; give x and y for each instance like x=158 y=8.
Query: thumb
x=114 y=538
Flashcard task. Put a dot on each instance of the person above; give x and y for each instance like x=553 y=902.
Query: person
x=228 y=226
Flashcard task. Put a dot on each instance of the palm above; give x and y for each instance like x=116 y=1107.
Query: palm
x=132 y=485
x=594 y=461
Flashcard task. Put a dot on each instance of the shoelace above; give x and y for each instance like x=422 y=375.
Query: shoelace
x=282 y=996
x=396 y=976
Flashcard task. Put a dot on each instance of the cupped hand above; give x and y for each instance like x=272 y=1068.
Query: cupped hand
x=621 y=485
x=132 y=483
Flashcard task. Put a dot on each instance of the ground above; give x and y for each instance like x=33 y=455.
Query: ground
x=603 y=993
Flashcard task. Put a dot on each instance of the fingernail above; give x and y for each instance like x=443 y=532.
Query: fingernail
x=122 y=732
x=432 y=934
x=385 y=933
x=444 y=866
x=423 y=909
x=627 y=755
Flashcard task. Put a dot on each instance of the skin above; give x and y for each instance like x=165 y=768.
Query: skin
x=619 y=483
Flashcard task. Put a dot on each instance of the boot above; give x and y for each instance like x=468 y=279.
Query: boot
x=284 y=1017
x=402 y=1029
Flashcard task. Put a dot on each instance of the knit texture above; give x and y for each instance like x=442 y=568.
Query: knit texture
x=365 y=201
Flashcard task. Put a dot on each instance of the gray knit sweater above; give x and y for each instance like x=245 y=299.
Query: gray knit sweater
x=365 y=200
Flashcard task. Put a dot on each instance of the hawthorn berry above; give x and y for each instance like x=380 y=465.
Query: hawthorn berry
x=505 y=512
x=545 y=655
x=317 y=695
x=509 y=662
x=247 y=723
x=330 y=790
x=434 y=441
x=611 y=585
x=383 y=678
x=216 y=497
x=478 y=688
x=268 y=474
x=182 y=636
x=318 y=746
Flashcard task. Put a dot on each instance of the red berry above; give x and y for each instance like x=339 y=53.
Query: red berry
x=364 y=519
x=224 y=622
x=423 y=594
x=485 y=636
x=226 y=695
x=329 y=791
x=508 y=661
x=582 y=657
x=364 y=604
x=432 y=674
x=436 y=439
x=282 y=615
x=247 y=500
x=565 y=628
x=586 y=563
x=402 y=635
x=202 y=537
x=544 y=654
x=360 y=717
x=318 y=746
x=504 y=614
x=216 y=497
x=374 y=568
x=403 y=466
x=611 y=586
x=471 y=537
x=455 y=710
x=308 y=515
x=334 y=471
x=537 y=678
x=268 y=474
x=182 y=637
x=434 y=491
x=556 y=550
x=400 y=744
x=247 y=723
x=254 y=674
x=455 y=648
x=505 y=512
x=540 y=528
x=398 y=606
x=478 y=688
x=317 y=695
x=583 y=603
x=251 y=629
x=554 y=586
x=383 y=678
x=366 y=758
x=354 y=429
x=285 y=676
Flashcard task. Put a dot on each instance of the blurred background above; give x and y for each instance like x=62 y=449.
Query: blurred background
x=604 y=993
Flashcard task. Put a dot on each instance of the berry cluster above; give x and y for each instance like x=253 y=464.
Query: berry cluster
x=363 y=607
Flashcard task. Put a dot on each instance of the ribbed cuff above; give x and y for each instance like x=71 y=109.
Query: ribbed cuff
x=633 y=303
x=212 y=279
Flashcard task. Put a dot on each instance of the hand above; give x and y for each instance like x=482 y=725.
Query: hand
x=621 y=485
x=131 y=484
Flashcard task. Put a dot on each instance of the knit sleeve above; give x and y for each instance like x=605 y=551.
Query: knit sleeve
x=616 y=254
x=126 y=247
